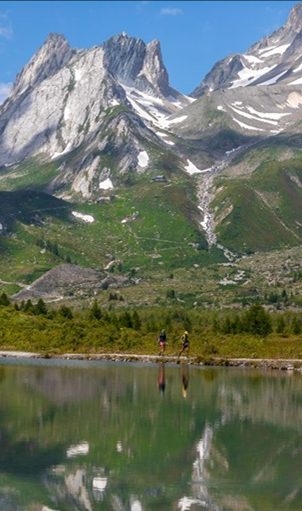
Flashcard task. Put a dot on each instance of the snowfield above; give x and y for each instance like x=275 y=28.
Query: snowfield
x=89 y=219
x=106 y=184
x=143 y=159
x=274 y=51
x=191 y=169
x=248 y=76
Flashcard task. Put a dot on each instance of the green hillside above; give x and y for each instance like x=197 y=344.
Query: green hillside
x=263 y=211
x=146 y=225
x=32 y=174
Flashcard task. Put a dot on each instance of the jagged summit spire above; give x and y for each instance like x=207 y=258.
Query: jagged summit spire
x=54 y=53
x=294 y=21
x=54 y=37
x=136 y=63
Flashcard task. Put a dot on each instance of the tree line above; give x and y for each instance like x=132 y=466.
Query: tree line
x=255 y=320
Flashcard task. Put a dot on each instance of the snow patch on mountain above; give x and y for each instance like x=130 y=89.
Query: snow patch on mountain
x=143 y=159
x=273 y=80
x=253 y=117
x=192 y=169
x=89 y=219
x=114 y=102
x=177 y=120
x=106 y=184
x=248 y=76
x=78 y=73
x=296 y=82
x=294 y=100
x=156 y=110
x=163 y=136
x=297 y=69
x=252 y=59
x=185 y=503
x=263 y=50
x=265 y=115
x=274 y=51
x=66 y=150
x=246 y=126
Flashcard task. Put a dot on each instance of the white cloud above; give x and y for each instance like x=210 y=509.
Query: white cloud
x=171 y=11
x=6 y=29
x=5 y=89
x=6 y=32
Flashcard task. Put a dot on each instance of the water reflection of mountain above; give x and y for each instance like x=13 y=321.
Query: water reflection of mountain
x=251 y=459
x=104 y=438
x=276 y=399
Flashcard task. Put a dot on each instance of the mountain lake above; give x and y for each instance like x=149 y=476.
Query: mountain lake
x=94 y=436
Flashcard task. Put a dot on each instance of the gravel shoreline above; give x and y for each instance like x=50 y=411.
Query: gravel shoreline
x=261 y=363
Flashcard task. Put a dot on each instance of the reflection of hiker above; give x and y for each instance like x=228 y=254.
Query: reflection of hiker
x=161 y=378
x=184 y=379
x=162 y=339
x=185 y=343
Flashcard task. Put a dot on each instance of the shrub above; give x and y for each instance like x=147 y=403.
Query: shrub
x=257 y=321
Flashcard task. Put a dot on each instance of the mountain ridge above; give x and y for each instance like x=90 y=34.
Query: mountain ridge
x=102 y=127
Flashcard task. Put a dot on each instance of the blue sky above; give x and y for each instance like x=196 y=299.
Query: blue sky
x=194 y=35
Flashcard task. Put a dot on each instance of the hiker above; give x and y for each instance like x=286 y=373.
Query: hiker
x=185 y=343
x=161 y=380
x=162 y=339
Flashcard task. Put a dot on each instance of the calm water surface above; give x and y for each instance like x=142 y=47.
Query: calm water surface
x=99 y=436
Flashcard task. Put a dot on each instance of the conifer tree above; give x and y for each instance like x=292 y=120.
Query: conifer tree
x=4 y=301
x=40 y=308
x=66 y=312
x=28 y=307
x=136 y=321
x=95 y=311
x=280 y=328
x=257 y=321
x=296 y=326
x=126 y=320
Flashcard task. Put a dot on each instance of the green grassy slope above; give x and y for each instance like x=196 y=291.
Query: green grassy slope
x=263 y=211
x=31 y=174
x=161 y=231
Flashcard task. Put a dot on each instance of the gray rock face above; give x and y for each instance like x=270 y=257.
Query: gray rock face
x=274 y=59
x=50 y=58
x=106 y=98
x=254 y=95
x=96 y=111
x=224 y=71
x=136 y=64
x=64 y=278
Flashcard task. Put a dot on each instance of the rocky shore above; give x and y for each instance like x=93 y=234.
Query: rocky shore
x=256 y=363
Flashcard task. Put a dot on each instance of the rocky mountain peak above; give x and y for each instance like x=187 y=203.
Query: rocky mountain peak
x=124 y=56
x=54 y=38
x=154 y=68
x=136 y=64
x=294 y=22
x=52 y=56
x=271 y=60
